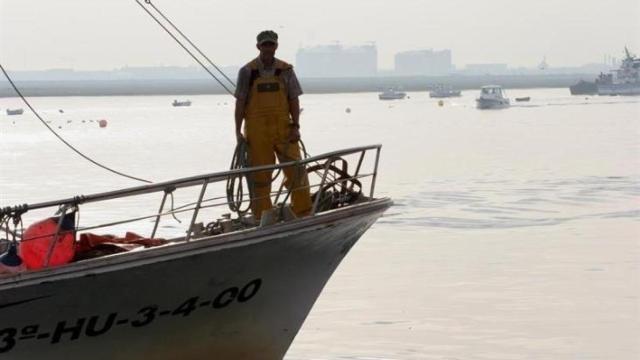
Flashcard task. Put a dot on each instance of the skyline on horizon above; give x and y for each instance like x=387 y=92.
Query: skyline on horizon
x=118 y=33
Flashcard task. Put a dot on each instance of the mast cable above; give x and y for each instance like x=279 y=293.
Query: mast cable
x=182 y=45
x=190 y=42
x=15 y=88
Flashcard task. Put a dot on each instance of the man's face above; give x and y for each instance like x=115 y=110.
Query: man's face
x=267 y=49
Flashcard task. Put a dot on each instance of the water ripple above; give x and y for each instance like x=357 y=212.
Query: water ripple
x=487 y=205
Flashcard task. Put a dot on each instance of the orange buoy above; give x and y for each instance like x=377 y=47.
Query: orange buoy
x=102 y=123
x=37 y=240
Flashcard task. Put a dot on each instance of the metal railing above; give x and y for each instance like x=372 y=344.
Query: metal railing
x=323 y=164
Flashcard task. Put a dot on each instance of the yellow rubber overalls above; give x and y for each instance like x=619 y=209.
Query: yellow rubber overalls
x=267 y=128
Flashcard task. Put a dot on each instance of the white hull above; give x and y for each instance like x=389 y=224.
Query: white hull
x=242 y=295
x=492 y=103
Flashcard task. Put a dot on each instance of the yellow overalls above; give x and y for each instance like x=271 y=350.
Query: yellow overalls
x=267 y=130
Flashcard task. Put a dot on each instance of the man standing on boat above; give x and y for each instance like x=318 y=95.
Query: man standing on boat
x=267 y=101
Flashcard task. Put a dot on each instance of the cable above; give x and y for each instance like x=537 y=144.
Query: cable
x=15 y=88
x=184 y=47
x=190 y=42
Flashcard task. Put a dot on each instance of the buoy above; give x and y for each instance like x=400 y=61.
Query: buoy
x=102 y=123
x=37 y=241
x=347 y=110
x=440 y=103
x=10 y=262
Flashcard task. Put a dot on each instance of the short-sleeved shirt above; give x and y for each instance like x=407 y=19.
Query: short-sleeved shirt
x=288 y=77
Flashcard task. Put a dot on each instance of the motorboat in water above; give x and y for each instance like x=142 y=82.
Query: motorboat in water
x=19 y=111
x=230 y=289
x=392 y=94
x=443 y=91
x=181 y=103
x=623 y=81
x=492 y=97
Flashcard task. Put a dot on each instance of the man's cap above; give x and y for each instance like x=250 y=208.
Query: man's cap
x=267 y=36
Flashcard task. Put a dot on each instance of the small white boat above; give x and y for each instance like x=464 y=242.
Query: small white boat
x=181 y=103
x=443 y=91
x=19 y=111
x=492 y=97
x=392 y=94
x=229 y=290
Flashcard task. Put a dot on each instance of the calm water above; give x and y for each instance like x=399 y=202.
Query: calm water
x=515 y=234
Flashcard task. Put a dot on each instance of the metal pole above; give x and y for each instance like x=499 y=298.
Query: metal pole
x=56 y=236
x=320 y=191
x=355 y=175
x=197 y=209
x=155 y=226
x=375 y=173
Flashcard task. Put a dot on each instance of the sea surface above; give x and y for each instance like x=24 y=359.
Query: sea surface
x=515 y=233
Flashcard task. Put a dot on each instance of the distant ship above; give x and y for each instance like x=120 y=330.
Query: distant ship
x=543 y=64
x=584 y=88
x=492 y=97
x=623 y=81
x=392 y=94
x=181 y=103
x=443 y=91
x=15 y=111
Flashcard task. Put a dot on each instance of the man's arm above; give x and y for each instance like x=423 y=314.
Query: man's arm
x=294 y=110
x=242 y=91
x=294 y=91
x=239 y=115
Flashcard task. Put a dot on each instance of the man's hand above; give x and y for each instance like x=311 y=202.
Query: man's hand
x=294 y=135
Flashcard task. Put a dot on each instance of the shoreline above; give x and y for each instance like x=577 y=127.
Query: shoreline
x=310 y=85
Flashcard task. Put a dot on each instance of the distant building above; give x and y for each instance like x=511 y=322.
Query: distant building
x=424 y=62
x=337 y=61
x=486 y=69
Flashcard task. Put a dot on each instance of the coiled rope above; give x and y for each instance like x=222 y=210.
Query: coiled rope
x=235 y=184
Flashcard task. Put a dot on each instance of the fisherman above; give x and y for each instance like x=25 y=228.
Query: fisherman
x=267 y=101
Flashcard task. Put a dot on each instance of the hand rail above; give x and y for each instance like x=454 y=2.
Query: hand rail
x=186 y=182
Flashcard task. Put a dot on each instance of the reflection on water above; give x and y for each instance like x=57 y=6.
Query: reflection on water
x=514 y=233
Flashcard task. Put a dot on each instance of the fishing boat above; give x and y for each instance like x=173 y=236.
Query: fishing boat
x=443 y=91
x=19 y=111
x=230 y=289
x=181 y=103
x=623 y=81
x=392 y=94
x=492 y=97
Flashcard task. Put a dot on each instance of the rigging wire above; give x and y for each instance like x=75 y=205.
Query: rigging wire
x=182 y=45
x=189 y=41
x=15 y=88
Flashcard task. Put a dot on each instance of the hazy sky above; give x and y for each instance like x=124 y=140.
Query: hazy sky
x=107 y=34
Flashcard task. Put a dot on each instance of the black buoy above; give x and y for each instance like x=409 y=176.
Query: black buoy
x=10 y=261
